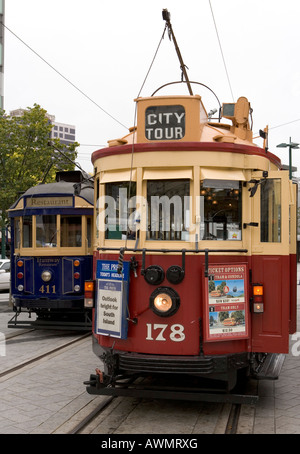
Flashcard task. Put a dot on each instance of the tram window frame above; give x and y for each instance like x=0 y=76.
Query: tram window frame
x=221 y=210
x=270 y=211
x=118 y=222
x=168 y=214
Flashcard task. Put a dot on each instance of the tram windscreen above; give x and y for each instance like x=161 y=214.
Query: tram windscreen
x=46 y=230
x=70 y=227
x=120 y=199
x=220 y=210
x=168 y=209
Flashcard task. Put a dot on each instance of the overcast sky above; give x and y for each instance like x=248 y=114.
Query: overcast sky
x=105 y=49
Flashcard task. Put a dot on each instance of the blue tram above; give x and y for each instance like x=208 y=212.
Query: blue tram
x=51 y=254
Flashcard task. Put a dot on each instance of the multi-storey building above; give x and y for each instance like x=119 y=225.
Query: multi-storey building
x=62 y=131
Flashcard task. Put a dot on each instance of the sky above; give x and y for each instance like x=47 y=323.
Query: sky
x=100 y=53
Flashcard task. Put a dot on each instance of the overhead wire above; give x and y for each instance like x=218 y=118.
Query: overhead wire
x=101 y=108
x=61 y=75
x=220 y=45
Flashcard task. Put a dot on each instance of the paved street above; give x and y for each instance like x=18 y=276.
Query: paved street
x=45 y=395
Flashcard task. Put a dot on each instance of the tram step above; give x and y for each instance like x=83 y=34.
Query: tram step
x=271 y=367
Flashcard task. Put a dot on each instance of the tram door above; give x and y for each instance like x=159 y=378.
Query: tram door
x=271 y=237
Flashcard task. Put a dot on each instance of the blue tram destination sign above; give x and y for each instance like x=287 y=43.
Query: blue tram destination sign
x=112 y=299
x=165 y=123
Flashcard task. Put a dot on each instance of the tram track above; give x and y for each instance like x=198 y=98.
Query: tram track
x=233 y=419
x=118 y=415
x=41 y=356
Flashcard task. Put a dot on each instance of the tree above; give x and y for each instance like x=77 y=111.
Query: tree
x=27 y=156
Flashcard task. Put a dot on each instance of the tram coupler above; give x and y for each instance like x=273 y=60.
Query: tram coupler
x=97 y=381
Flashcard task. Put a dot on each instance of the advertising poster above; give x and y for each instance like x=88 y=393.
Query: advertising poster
x=112 y=299
x=226 y=302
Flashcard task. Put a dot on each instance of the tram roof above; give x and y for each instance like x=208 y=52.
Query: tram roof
x=82 y=189
x=181 y=122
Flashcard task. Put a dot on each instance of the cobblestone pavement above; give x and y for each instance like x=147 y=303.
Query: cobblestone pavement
x=42 y=396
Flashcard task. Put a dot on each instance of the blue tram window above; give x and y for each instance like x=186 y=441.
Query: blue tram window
x=46 y=230
x=27 y=231
x=70 y=231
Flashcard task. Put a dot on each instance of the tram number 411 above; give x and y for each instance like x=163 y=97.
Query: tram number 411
x=47 y=289
x=160 y=332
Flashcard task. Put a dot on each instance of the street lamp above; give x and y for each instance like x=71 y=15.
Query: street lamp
x=290 y=145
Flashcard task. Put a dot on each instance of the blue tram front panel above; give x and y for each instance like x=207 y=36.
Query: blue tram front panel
x=50 y=282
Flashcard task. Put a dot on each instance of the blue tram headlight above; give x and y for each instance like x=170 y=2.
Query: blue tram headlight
x=46 y=276
x=164 y=301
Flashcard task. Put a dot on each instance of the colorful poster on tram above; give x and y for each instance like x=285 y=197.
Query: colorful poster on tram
x=226 y=308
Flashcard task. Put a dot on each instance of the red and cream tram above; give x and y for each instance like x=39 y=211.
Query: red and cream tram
x=194 y=253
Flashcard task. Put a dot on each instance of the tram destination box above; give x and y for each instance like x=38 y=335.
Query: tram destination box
x=111 y=299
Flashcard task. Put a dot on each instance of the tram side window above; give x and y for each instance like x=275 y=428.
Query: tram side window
x=17 y=237
x=221 y=210
x=70 y=227
x=168 y=209
x=119 y=210
x=89 y=231
x=46 y=230
x=270 y=211
x=27 y=231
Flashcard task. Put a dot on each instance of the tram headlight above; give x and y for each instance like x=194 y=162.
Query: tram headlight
x=46 y=276
x=164 y=301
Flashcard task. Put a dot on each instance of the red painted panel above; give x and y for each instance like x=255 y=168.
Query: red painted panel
x=182 y=333
x=270 y=329
x=293 y=308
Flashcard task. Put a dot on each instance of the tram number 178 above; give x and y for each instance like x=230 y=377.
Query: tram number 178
x=161 y=332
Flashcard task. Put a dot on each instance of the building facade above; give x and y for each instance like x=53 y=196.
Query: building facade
x=64 y=132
